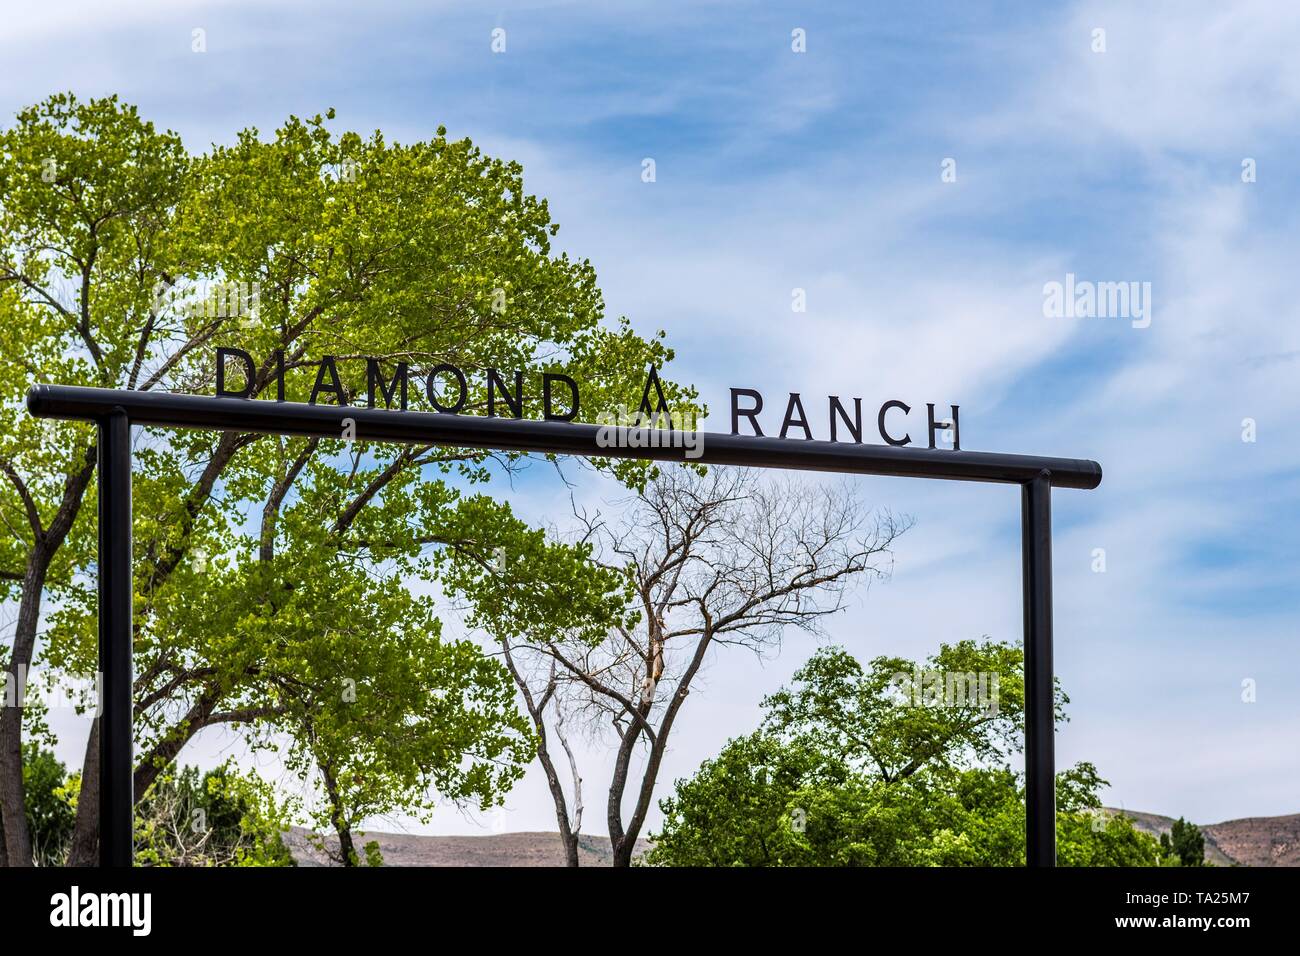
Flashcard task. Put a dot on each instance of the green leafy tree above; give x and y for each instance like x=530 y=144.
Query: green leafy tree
x=357 y=704
x=896 y=717
x=219 y=818
x=736 y=810
x=1184 y=844
x=51 y=803
x=852 y=768
x=123 y=262
x=85 y=192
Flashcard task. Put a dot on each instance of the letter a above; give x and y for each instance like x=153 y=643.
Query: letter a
x=644 y=408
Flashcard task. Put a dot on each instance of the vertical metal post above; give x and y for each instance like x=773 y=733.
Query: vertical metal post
x=1040 y=716
x=116 y=759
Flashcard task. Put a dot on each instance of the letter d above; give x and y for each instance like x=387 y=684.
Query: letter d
x=250 y=373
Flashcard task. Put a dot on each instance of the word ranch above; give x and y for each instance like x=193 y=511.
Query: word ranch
x=795 y=418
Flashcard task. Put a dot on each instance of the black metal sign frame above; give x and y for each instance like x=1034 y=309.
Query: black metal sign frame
x=115 y=411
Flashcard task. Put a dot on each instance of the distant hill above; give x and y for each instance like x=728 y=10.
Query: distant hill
x=1253 y=841
x=499 y=849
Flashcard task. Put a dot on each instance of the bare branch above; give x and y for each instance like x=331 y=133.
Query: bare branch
x=29 y=503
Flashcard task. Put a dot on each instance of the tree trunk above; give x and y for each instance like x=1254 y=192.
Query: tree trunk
x=18 y=838
x=623 y=841
x=347 y=851
x=568 y=838
x=623 y=852
x=568 y=832
x=622 y=855
x=85 y=831
x=338 y=819
x=570 y=841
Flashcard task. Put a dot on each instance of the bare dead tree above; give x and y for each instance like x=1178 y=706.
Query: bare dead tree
x=535 y=702
x=721 y=559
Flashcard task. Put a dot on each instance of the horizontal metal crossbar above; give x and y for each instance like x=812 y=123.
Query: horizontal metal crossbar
x=557 y=437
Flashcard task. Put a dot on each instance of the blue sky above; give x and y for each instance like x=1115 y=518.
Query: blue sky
x=820 y=170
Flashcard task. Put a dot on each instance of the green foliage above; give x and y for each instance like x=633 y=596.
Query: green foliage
x=519 y=582
x=387 y=710
x=736 y=810
x=51 y=804
x=1184 y=844
x=869 y=718
x=847 y=770
x=220 y=818
x=87 y=199
x=272 y=571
